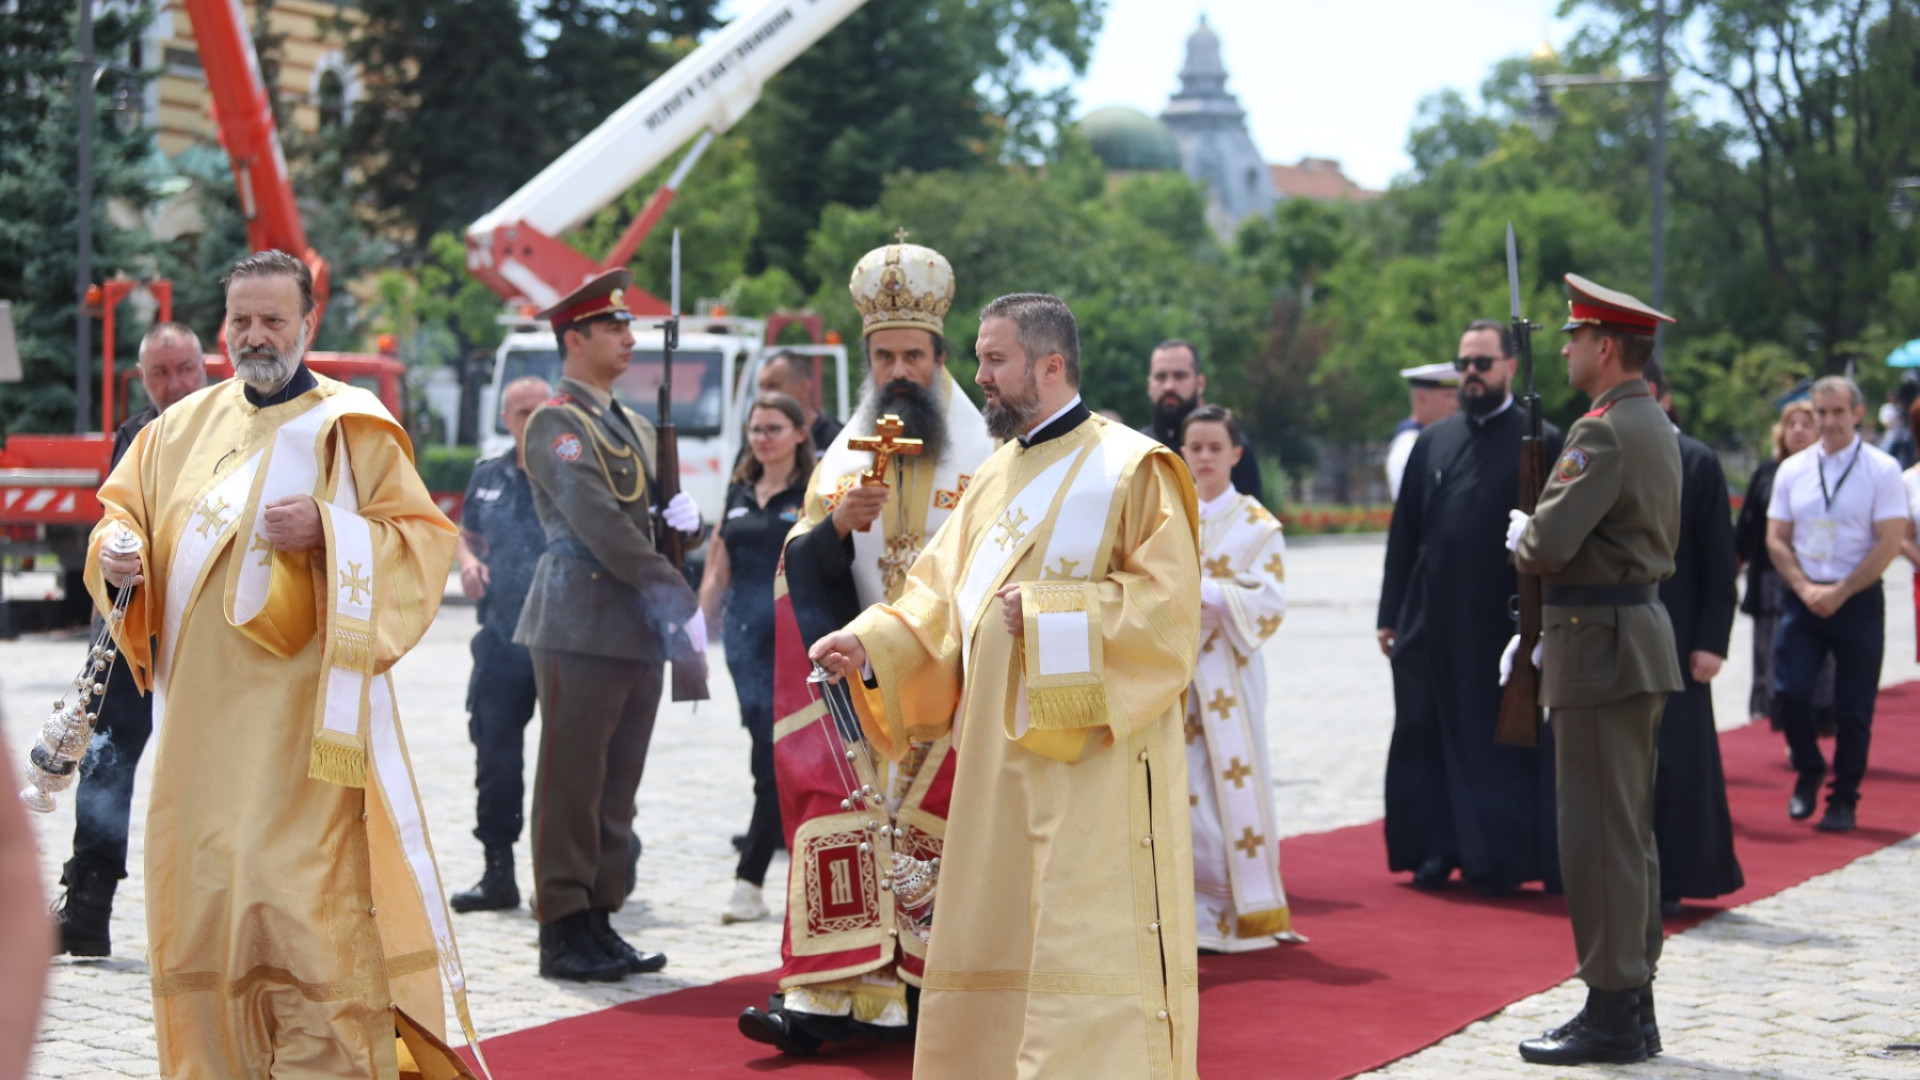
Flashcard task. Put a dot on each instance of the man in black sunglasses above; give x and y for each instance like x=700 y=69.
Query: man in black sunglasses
x=1455 y=800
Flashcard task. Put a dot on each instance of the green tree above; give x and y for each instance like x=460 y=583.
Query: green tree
x=598 y=54
x=904 y=85
x=39 y=236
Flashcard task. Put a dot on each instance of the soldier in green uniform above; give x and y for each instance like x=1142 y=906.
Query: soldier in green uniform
x=604 y=612
x=1602 y=540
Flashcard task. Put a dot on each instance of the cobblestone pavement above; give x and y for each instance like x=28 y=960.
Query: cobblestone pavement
x=1813 y=982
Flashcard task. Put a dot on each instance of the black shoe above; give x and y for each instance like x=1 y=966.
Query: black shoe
x=85 y=910
x=1494 y=890
x=1838 y=818
x=776 y=1028
x=633 y=862
x=567 y=951
x=599 y=924
x=1606 y=1031
x=496 y=891
x=1806 y=793
x=1669 y=908
x=1649 y=1028
x=1433 y=873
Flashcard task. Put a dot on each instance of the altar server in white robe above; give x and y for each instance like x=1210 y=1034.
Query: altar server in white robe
x=1238 y=899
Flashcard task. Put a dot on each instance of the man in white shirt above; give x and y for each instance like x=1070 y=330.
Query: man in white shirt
x=1838 y=515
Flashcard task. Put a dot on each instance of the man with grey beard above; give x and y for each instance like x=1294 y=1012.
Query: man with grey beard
x=285 y=556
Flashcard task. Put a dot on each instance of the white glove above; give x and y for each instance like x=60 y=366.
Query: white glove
x=1516 y=526
x=697 y=631
x=681 y=514
x=1506 y=657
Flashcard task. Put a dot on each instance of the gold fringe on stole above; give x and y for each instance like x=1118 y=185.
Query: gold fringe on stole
x=1070 y=701
x=1264 y=923
x=337 y=761
x=1065 y=708
x=352 y=642
x=871 y=1003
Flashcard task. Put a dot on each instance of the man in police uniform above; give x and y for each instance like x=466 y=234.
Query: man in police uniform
x=500 y=541
x=1602 y=540
x=604 y=613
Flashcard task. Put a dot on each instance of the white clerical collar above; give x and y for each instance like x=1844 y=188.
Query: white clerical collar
x=1821 y=446
x=1504 y=406
x=1214 y=506
x=1042 y=425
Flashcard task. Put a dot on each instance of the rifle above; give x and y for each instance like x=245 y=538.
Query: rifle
x=689 y=666
x=1520 y=705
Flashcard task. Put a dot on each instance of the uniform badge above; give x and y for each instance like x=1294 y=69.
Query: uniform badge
x=566 y=447
x=1572 y=464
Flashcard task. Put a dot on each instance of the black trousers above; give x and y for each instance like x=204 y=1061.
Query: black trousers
x=1856 y=638
x=103 y=801
x=753 y=685
x=500 y=698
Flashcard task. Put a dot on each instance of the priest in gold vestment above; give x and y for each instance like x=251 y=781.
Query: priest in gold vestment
x=289 y=556
x=1050 y=627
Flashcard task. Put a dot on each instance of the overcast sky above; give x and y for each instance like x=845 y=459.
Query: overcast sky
x=1339 y=80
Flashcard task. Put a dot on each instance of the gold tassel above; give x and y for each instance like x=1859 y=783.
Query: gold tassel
x=1063 y=708
x=870 y=1005
x=1056 y=597
x=352 y=649
x=1264 y=924
x=337 y=763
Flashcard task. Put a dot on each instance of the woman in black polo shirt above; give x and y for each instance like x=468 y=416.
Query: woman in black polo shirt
x=765 y=499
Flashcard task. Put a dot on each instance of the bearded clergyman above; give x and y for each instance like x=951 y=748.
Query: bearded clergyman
x=851 y=962
x=289 y=556
x=1050 y=629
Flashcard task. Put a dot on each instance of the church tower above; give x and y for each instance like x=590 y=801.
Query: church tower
x=1210 y=129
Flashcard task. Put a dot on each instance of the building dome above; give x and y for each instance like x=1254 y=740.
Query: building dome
x=1130 y=140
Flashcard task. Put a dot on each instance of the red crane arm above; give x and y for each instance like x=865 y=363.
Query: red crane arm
x=244 y=114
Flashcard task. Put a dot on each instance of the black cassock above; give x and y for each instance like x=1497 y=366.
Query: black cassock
x=1690 y=819
x=1448 y=594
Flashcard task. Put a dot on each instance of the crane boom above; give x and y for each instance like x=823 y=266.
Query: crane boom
x=514 y=248
x=244 y=112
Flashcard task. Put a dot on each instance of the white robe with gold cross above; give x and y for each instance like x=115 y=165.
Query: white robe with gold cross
x=1238 y=898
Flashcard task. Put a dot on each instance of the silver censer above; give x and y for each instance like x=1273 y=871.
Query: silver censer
x=54 y=761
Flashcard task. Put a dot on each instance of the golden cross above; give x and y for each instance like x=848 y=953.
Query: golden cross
x=884 y=447
x=1275 y=567
x=1222 y=703
x=1221 y=567
x=1011 y=532
x=355 y=583
x=1237 y=771
x=1267 y=624
x=1064 y=573
x=1250 y=842
x=899 y=556
x=900 y=235
x=212 y=515
x=260 y=544
x=1194 y=730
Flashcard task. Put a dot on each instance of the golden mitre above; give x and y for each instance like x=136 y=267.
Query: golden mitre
x=902 y=285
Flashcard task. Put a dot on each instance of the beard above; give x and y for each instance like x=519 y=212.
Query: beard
x=265 y=368
x=1483 y=404
x=1170 y=409
x=918 y=408
x=1013 y=408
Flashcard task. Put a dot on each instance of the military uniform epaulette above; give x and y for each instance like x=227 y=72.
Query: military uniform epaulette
x=563 y=398
x=1602 y=410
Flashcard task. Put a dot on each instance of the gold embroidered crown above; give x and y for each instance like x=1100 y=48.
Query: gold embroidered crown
x=902 y=285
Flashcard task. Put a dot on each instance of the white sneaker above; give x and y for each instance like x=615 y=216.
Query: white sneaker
x=746 y=905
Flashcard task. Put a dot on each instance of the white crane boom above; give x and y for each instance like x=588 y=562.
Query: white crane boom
x=710 y=90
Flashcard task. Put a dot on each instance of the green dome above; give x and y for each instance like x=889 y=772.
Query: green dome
x=1128 y=139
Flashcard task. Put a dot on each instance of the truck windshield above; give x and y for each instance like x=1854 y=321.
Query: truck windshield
x=697 y=391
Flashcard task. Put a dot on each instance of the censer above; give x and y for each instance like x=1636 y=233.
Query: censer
x=911 y=880
x=55 y=758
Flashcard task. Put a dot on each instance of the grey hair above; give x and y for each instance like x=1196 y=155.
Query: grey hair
x=1044 y=326
x=1834 y=384
x=169 y=333
x=274 y=264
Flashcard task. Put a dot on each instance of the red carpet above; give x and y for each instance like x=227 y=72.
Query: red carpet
x=1390 y=969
